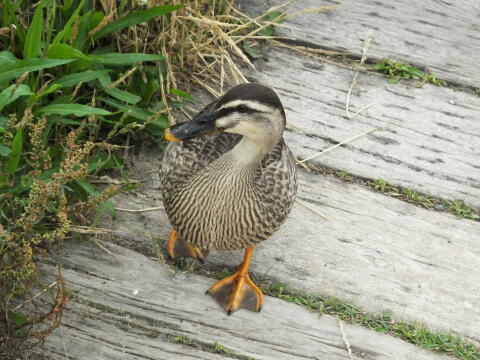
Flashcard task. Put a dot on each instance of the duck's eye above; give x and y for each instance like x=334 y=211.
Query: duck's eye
x=242 y=108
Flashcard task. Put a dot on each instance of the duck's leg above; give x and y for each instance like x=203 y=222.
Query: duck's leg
x=177 y=246
x=238 y=291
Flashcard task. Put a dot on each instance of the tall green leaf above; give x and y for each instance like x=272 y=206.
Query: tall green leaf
x=66 y=31
x=137 y=17
x=6 y=57
x=65 y=51
x=73 y=109
x=33 y=40
x=12 y=93
x=124 y=59
x=13 y=70
x=14 y=156
x=84 y=76
x=135 y=111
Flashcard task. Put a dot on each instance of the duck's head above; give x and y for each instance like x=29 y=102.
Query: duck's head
x=251 y=110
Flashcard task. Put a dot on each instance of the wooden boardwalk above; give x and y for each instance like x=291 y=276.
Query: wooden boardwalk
x=375 y=251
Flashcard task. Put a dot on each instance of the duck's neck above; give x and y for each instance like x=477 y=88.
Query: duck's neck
x=250 y=152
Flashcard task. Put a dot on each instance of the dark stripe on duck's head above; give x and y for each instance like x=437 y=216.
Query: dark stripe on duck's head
x=253 y=92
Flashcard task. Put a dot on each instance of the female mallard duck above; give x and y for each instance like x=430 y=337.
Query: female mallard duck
x=229 y=182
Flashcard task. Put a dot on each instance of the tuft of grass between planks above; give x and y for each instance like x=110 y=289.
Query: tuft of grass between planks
x=385 y=323
x=397 y=70
x=456 y=207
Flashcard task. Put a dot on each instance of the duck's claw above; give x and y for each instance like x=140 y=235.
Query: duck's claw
x=235 y=292
x=177 y=246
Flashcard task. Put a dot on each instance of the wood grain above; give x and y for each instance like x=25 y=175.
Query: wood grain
x=376 y=251
x=431 y=135
x=443 y=36
x=130 y=307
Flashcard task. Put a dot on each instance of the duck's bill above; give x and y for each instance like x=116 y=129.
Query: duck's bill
x=202 y=124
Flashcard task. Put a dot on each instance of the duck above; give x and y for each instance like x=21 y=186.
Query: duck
x=228 y=182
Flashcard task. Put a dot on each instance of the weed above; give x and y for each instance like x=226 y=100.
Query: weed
x=220 y=349
x=182 y=339
x=344 y=175
x=458 y=207
x=383 y=186
x=462 y=210
x=223 y=274
x=385 y=323
x=417 y=198
x=397 y=70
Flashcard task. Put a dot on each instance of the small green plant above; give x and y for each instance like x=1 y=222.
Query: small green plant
x=458 y=208
x=397 y=71
x=382 y=186
x=344 y=175
x=182 y=339
x=462 y=210
x=223 y=274
x=220 y=349
x=415 y=197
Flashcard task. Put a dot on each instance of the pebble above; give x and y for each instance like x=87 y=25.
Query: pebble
x=439 y=207
x=452 y=102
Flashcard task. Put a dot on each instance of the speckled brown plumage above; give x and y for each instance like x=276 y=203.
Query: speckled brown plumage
x=215 y=202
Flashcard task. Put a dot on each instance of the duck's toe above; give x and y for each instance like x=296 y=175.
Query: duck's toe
x=235 y=292
x=177 y=246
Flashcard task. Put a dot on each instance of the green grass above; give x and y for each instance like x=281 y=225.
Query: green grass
x=220 y=349
x=385 y=323
x=69 y=100
x=182 y=339
x=456 y=207
x=396 y=71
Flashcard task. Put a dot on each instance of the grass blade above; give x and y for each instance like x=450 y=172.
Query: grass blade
x=14 y=156
x=12 y=93
x=13 y=70
x=135 y=18
x=124 y=59
x=64 y=51
x=136 y=112
x=33 y=40
x=6 y=57
x=72 y=109
x=66 y=31
x=77 y=78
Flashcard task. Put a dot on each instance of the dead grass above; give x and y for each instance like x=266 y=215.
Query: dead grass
x=204 y=42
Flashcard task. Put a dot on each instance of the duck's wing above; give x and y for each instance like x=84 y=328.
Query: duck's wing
x=276 y=181
x=185 y=158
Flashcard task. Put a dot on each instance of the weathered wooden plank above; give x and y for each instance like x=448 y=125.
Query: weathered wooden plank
x=376 y=251
x=431 y=137
x=130 y=307
x=443 y=36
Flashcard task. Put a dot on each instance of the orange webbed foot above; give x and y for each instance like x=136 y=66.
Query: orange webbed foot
x=238 y=291
x=177 y=246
